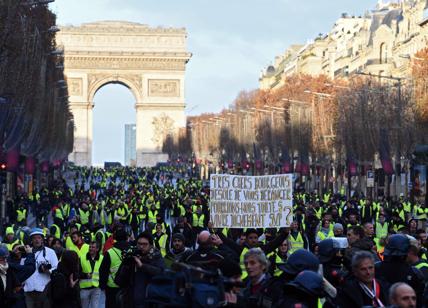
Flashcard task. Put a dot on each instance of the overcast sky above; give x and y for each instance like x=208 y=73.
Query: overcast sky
x=231 y=42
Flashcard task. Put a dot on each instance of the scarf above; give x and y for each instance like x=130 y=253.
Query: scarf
x=373 y=294
x=3 y=271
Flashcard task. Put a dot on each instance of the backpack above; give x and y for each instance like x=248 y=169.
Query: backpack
x=58 y=285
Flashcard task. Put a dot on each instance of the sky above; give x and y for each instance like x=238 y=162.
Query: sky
x=231 y=42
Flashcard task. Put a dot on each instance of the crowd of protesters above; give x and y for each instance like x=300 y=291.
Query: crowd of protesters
x=123 y=236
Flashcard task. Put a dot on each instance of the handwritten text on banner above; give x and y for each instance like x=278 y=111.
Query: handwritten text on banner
x=251 y=201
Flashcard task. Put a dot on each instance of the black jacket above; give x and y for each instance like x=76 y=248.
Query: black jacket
x=8 y=295
x=23 y=272
x=135 y=280
x=351 y=295
x=396 y=270
x=210 y=258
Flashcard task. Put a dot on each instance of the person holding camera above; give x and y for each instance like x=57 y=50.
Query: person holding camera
x=138 y=267
x=35 y=288
x=21 y=254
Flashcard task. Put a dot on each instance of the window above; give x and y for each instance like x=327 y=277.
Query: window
x=383 y=54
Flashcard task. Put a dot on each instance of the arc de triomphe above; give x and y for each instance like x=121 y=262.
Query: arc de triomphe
x=151 y=62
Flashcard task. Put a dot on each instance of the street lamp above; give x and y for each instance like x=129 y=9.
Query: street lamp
x=318 y=93
x=57 y=52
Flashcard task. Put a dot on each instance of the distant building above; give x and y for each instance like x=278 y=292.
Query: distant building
x=379 y=42
x=130 y=145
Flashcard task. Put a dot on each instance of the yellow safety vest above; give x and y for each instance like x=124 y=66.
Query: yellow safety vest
x=241 y=263
x=318 y=212
x=182 y=210
x=162 y=244
x=381 y=231
x=84 y=216
x=87 y=269
x=82 y=251
x=322 y=236
x=297 y=243
x=10 y=246
x=198 y=221
x=21 y=215
x=115 y=262
x=121 y=212
x=58 y=214
x=57 y=232
x=421 y=265
x=278 y=260
x=152 y=216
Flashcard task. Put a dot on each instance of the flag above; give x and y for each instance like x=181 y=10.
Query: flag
x=12 y=159
x=304 y=163
x=286 y=161
x=257 y=158
x=352 y=165
x=384 y=152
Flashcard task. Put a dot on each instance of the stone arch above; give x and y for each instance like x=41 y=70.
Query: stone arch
x=134 y=86
x=151 y=62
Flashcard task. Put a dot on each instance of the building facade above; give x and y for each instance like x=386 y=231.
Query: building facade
x=380 y=42
x=130 y=145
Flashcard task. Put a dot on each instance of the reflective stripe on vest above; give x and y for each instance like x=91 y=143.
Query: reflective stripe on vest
x=421 y=265
x=87 y=269
x=115 y=261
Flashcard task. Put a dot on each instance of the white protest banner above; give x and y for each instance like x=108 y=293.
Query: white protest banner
x=251 y=201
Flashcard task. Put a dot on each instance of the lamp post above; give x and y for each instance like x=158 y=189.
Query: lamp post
x=398 y=129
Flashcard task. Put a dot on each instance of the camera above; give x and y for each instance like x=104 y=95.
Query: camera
x=44 y=266
x=21 y=249
x=135 y=252
x=130 y=253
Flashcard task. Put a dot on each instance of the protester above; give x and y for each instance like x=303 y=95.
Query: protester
x=178 y=251
x=104 y=210
x=256 y=265
x=90 y=292
x=401 y=295
x=21 y=261
x=65 y=281
x=362 y=289
x=9 y=284
x=137 y=269
x=110 y=265
x=36 y=286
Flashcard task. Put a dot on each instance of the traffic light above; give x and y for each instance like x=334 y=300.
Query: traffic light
x=3 y=166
